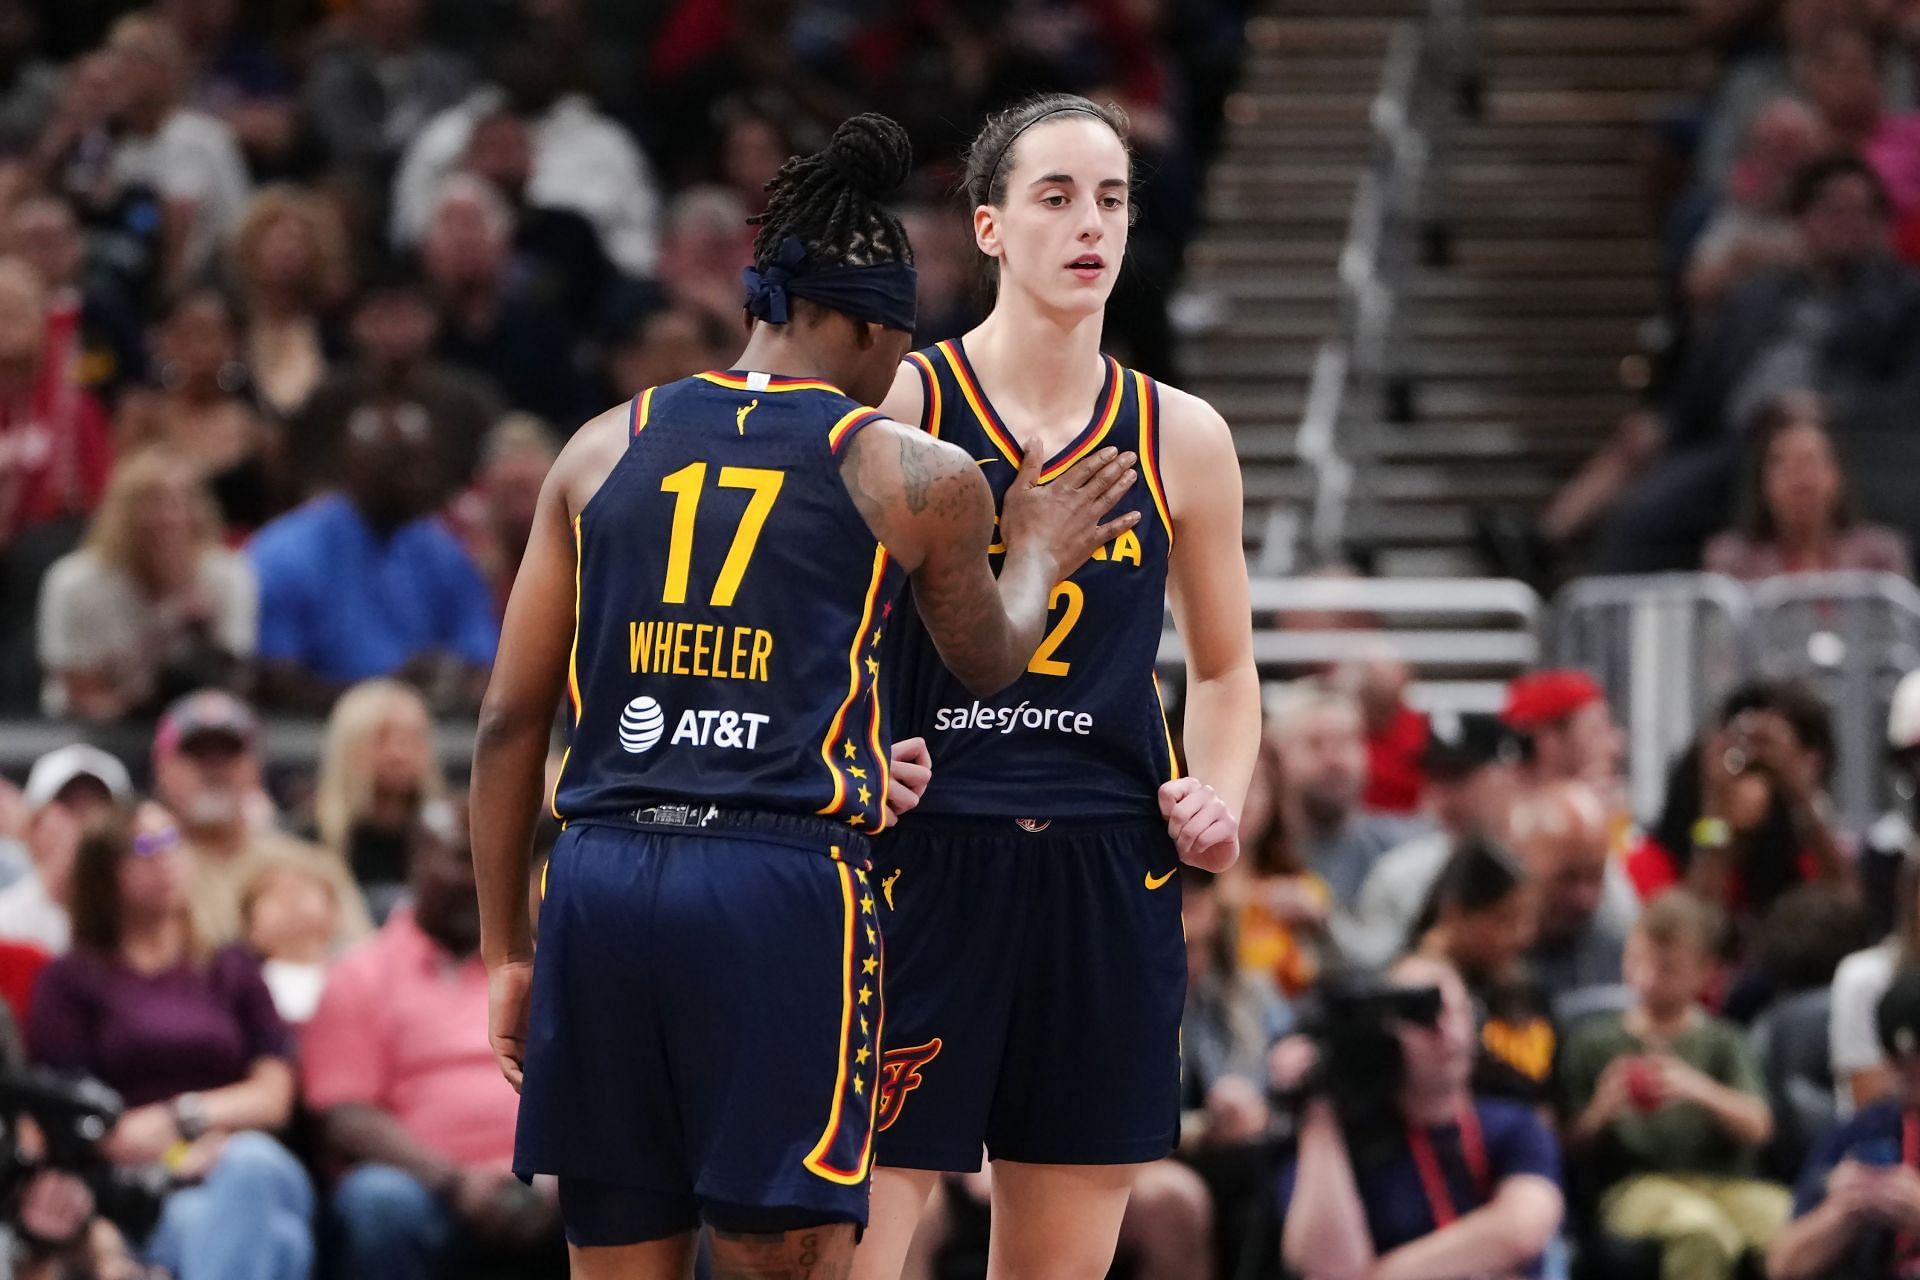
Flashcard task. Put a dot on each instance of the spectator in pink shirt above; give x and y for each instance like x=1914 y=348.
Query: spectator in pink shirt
x=411 y=1102
x=1840 y=79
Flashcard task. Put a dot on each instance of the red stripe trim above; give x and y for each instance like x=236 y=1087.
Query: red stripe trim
x=850 y=426
x=816 y=1160
x=830 y=746
x=734 y=382
x=638 y=414
x=930 y=385
x=1108 y=415
x=977 y=401
x=1150 y=451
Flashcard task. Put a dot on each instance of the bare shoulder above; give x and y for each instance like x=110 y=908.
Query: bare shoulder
x=1187 y=420
x=583 y=465
x=906 y=398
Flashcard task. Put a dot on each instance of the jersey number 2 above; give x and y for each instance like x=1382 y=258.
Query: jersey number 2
x=686 y=486
x=1044 y=663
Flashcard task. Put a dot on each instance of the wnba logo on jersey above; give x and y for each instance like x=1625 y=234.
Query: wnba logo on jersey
x=642 y=725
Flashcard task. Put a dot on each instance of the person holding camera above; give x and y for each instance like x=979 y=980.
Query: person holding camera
x=1441 y=1184
x=1746 y=816
x=1857 y=1205
x=189 y=1039
x=1669 y=1107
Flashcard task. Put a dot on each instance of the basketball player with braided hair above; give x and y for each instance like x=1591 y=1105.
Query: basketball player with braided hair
x=1036 y=962
x=711 y=576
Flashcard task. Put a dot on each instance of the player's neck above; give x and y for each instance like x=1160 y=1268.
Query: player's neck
x=770 y=351
x=1043 y=365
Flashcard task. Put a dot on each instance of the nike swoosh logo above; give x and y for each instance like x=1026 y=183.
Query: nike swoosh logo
x=984 y=461
x=1154 y=881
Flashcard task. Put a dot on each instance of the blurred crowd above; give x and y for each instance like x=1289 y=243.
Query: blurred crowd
x=298 y=301
x=1682 y=1048
x=1774 y=434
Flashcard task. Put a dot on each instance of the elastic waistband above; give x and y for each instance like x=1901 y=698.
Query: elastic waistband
x=690 y=818
x=954 y=824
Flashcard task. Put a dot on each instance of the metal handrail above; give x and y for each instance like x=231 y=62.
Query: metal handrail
x=1357 y=361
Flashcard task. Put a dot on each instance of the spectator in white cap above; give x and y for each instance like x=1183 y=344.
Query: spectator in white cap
x=206 y=771
x=65 y=791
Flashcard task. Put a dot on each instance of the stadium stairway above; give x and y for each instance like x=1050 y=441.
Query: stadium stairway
x=1515 y=326
x=1261 y=292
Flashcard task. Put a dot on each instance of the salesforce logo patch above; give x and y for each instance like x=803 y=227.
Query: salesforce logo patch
x=641 y=725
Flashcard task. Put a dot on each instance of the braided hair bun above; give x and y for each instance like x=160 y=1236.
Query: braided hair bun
x=871 y=154
x=831 y=199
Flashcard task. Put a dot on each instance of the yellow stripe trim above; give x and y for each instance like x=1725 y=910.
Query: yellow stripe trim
x=573 y=671
x=1173 y=758
x=838 y=430
x=816 y=1159
x=1008 y=448
x=930 y=411
x=1092 y=442
x=832 y=740
x=1150 y=454
x=641 y=414
x=881 y=756
x=778 y=384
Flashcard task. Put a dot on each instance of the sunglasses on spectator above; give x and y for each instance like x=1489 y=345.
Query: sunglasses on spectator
x=148 y=843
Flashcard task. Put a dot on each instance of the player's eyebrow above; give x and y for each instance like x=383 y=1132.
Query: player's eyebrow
x=1066 y=180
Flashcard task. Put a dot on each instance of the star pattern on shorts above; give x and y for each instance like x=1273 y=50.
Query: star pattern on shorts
x=866 y=796
x=866 y=994
x=869 y=965
x=849 y=750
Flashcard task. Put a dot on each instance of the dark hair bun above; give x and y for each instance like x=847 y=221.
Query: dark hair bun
x=871 y=154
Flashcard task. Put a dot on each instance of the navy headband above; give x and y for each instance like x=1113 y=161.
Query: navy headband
x=884 y=293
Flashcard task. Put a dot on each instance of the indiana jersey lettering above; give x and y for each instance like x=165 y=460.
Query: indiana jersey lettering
x=1082 y=733
x=730 y=611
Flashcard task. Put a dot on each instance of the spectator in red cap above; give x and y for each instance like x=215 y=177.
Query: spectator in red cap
x=206 y=771
x=1566 y=727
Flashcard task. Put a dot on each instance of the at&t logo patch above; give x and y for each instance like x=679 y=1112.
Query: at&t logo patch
x=641 y=725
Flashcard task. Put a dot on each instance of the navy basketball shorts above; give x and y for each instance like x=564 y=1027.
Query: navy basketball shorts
x=703 y=1040
x=1035 y=982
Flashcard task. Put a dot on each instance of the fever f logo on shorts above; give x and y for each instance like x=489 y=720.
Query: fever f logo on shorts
x=900 y=1076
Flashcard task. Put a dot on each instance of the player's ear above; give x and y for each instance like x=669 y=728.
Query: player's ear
x=866 y=334
x=986 y=230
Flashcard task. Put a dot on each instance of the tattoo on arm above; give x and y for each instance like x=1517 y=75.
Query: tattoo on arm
x=914 y=473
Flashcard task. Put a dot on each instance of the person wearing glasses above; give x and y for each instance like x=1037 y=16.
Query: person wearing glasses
x=188 y=1036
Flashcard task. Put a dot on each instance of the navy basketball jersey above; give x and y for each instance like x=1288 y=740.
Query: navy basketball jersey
x=1081 y=734
x=730 y=609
